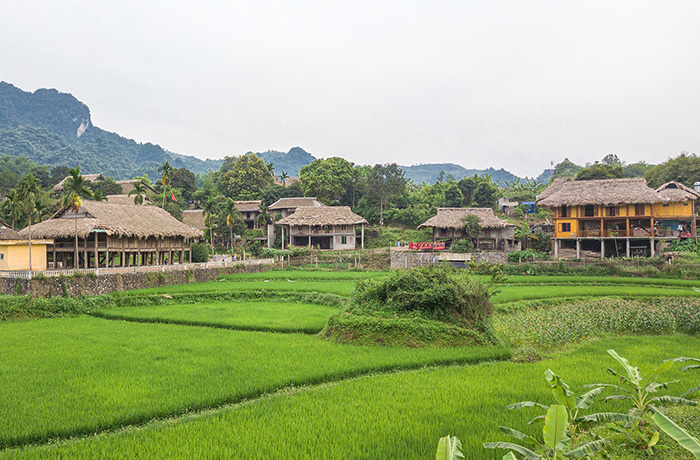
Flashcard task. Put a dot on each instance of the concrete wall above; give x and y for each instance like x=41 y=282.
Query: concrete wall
x=104 y=284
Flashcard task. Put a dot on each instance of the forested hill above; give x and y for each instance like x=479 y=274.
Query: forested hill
x=429 y=173
x=290 y=162
x=54 y=128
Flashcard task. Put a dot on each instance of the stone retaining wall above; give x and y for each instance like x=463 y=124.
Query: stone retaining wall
x=91 y=284
x=409 y=259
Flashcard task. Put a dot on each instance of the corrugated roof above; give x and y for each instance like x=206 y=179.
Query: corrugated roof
x=452 y=218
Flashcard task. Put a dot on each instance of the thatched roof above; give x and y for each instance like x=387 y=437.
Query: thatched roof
x=323 y=215
x=8 y=233
x=114 y=219
x=555 y=186
x=194 y=218
x=295 y=202
x=676 y=192
x=128 y=185
x=248 y=206
x=125 y=199
x=87 y=177
x=602 y=192
x=452 y=218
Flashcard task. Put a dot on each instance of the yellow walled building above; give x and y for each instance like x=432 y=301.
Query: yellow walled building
x=626 y=213
x=14 y=251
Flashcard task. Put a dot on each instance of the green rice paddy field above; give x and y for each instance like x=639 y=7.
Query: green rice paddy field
x=247 y=379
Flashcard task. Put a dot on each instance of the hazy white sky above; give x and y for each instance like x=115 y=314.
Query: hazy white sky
x=513 y=84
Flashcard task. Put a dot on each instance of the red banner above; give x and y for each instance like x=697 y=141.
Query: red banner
x=427 y=246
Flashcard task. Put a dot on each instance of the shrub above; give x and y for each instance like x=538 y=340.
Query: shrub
x=435 y=292
x=527 y=254
x=462 y=246
x=200 y=252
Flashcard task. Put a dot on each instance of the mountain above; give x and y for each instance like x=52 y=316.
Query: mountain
x=429 y=173
x=290 y=162
x=54 y=128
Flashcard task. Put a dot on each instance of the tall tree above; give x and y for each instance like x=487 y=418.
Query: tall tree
x=246 y=178
x=601 y=171
x=75 y=188
x=231 y=212
x=12 y=206
x=684 y=168
x=30 y=192
x=327 y=179
x=166 y=174
x=384 y=182
x=209 y=216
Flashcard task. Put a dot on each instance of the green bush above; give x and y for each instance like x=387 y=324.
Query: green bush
x=200 y=252
x=434 y=292
x=528 y=254
x=462 y=246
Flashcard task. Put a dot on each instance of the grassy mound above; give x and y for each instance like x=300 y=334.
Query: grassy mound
x=425 y=306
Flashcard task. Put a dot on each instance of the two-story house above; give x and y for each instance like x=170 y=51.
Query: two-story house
x=324 y=227
x=617 y=217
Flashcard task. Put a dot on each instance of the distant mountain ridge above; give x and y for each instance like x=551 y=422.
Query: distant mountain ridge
x=429 y=172
x=290 y=162
x=54 y=128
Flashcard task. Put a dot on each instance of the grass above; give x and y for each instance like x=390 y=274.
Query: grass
x=600 y=280
x=391 y=416
x=304 y=275
x=341 y=287
x=72 y=376
x=250 y=315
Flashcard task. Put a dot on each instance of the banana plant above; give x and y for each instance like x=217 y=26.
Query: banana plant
x=681 y=436
x=562 y=436
x=449 y=448
x=640 y=389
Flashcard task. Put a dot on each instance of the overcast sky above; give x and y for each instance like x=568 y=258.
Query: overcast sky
x=513 y=84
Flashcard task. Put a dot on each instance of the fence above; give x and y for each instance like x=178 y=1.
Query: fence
x=137 y=269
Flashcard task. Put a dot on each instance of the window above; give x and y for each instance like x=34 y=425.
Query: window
x=2 y=256
x=298 y=228
x=589 y=210
x=564 y=211
x=343 y=239
x=343 y=228
x=565 y=227
x=247 y=215
x=612 y=211
x=638 y=209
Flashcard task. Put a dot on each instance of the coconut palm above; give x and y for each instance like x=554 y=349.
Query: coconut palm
x=139 y=190
x=12 y=206
x=209 y=210
x=283 y=178
x=166 y=174
x=29 y=192
x=264 y=217
x=75 y=188
x=230 y=212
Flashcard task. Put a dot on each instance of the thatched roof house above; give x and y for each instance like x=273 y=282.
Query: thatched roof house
x=452 y=218
x=113 y=219
x=87 y=177
x=194 y=218
x=325 y=227
x=323 y=215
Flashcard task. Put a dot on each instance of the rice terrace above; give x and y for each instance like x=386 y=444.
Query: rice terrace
x=301 y=363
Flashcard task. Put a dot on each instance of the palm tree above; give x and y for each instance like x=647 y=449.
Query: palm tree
x=75 y=188
x=166 y=174
x=264 y=217
x=139 y=190
x=12 y=206
x=99 y=196
x=29 y=192
x=230 y=211
x=283 y=178
x=209 y=209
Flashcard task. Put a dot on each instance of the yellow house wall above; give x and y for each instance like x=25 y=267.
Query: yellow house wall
x=574 y=228
x=16 y=257
x=673 y=209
